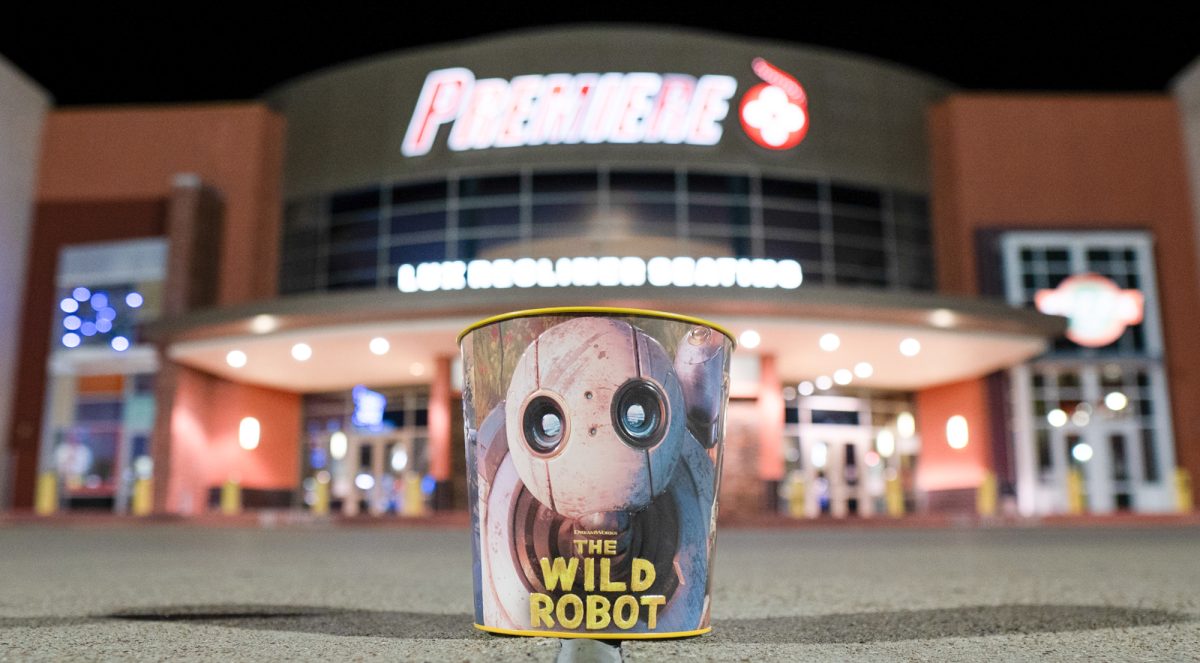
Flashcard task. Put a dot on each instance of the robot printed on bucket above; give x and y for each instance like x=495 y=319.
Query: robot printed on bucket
x=603 y=442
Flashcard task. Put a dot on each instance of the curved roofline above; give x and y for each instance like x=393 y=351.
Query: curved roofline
x=639 y=27
x=849 y=305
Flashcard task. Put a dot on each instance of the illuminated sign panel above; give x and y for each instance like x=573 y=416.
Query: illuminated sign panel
x=369 y=407
x=775 y=113
x=594 y=108
x=567 y=109
x=1097 y=310
x=679 y=272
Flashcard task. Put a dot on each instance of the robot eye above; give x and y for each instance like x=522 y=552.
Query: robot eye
x=544 y=424
x=640 y=413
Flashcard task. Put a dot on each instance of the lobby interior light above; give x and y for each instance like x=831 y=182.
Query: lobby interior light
x=750 y=339
x=824 y=382
x=942 y=318
x=864 y=369
x=820 y=454
x=249 y=431
x=1115 y=401
x=338 y=445
x=264 y=323
x=910 y=347
x=906 y=425
x=805 y=388
x=417 y=369
x=1057 y=418
x=885 y=443
x=379 y=345
x=829 y=342
x=957 y=433
x=302 y=352
x=236 y=358
x=843 y=376
x=1082 y=452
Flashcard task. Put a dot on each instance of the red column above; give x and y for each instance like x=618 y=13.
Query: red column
x=439 y=420
x=942 y=467
x=770 y=421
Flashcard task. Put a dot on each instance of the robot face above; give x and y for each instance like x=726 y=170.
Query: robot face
x=595 y=417
x=700 y=364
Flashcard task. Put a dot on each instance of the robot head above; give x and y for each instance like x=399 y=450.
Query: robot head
x=700 y=360
x=595 y=417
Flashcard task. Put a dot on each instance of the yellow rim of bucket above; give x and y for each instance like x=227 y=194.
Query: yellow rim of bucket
x=597 y=310
x=596 y=636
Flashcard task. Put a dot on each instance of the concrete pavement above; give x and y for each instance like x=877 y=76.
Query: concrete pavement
x=154 y=592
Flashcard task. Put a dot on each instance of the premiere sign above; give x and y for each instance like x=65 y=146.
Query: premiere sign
x=595 y=108
x=680 y=272
x=568 y=109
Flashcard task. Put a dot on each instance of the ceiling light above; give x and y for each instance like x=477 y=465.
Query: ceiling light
x=830 y=342
x=750 y=339
x=301 y=352
x=236 y=358
x=380 y=345
x=864 y=370
x=910 y=347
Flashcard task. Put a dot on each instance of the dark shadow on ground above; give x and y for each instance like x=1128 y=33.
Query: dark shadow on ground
x=864 y=627
x=327 y=621
x=963 y=622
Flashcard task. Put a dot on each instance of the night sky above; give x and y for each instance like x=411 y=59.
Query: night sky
x=178 y=52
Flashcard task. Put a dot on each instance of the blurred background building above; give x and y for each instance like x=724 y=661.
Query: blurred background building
x=946 y=301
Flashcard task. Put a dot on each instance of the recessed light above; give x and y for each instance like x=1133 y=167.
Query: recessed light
x=910 y=347
x=750 y=339
x=236 y=358
x=864 y=370
x=830 y=342
x=380 y=345
x=302 y=352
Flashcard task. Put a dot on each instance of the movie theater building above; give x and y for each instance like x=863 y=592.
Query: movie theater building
x=945 y=301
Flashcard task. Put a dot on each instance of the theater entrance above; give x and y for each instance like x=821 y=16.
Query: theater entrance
x=842 y=475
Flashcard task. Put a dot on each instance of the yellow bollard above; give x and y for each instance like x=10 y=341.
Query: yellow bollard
x=1183 y=491
x=1076 y=503
x=894 y=497
x=231 y=498
x=45 y=501
x=796 y=495
x=143 y=497
x=987 y=495
x=320 y=505
x=414 y=499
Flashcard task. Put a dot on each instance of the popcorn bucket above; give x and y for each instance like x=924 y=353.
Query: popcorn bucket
x=594 y=442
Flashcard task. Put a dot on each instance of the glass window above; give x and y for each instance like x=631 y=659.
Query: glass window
x=720 y=217
x=785 y=223
x=421 y=192
x=506 y=185
x=790 y=189
x=855 y=196
x=486 y=217
x=718 y=184
x=585 y=182
x=469 y=249
x=403 y=224
x=620 y=181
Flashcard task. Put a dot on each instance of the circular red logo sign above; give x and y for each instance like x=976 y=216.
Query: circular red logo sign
x=774 y=114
